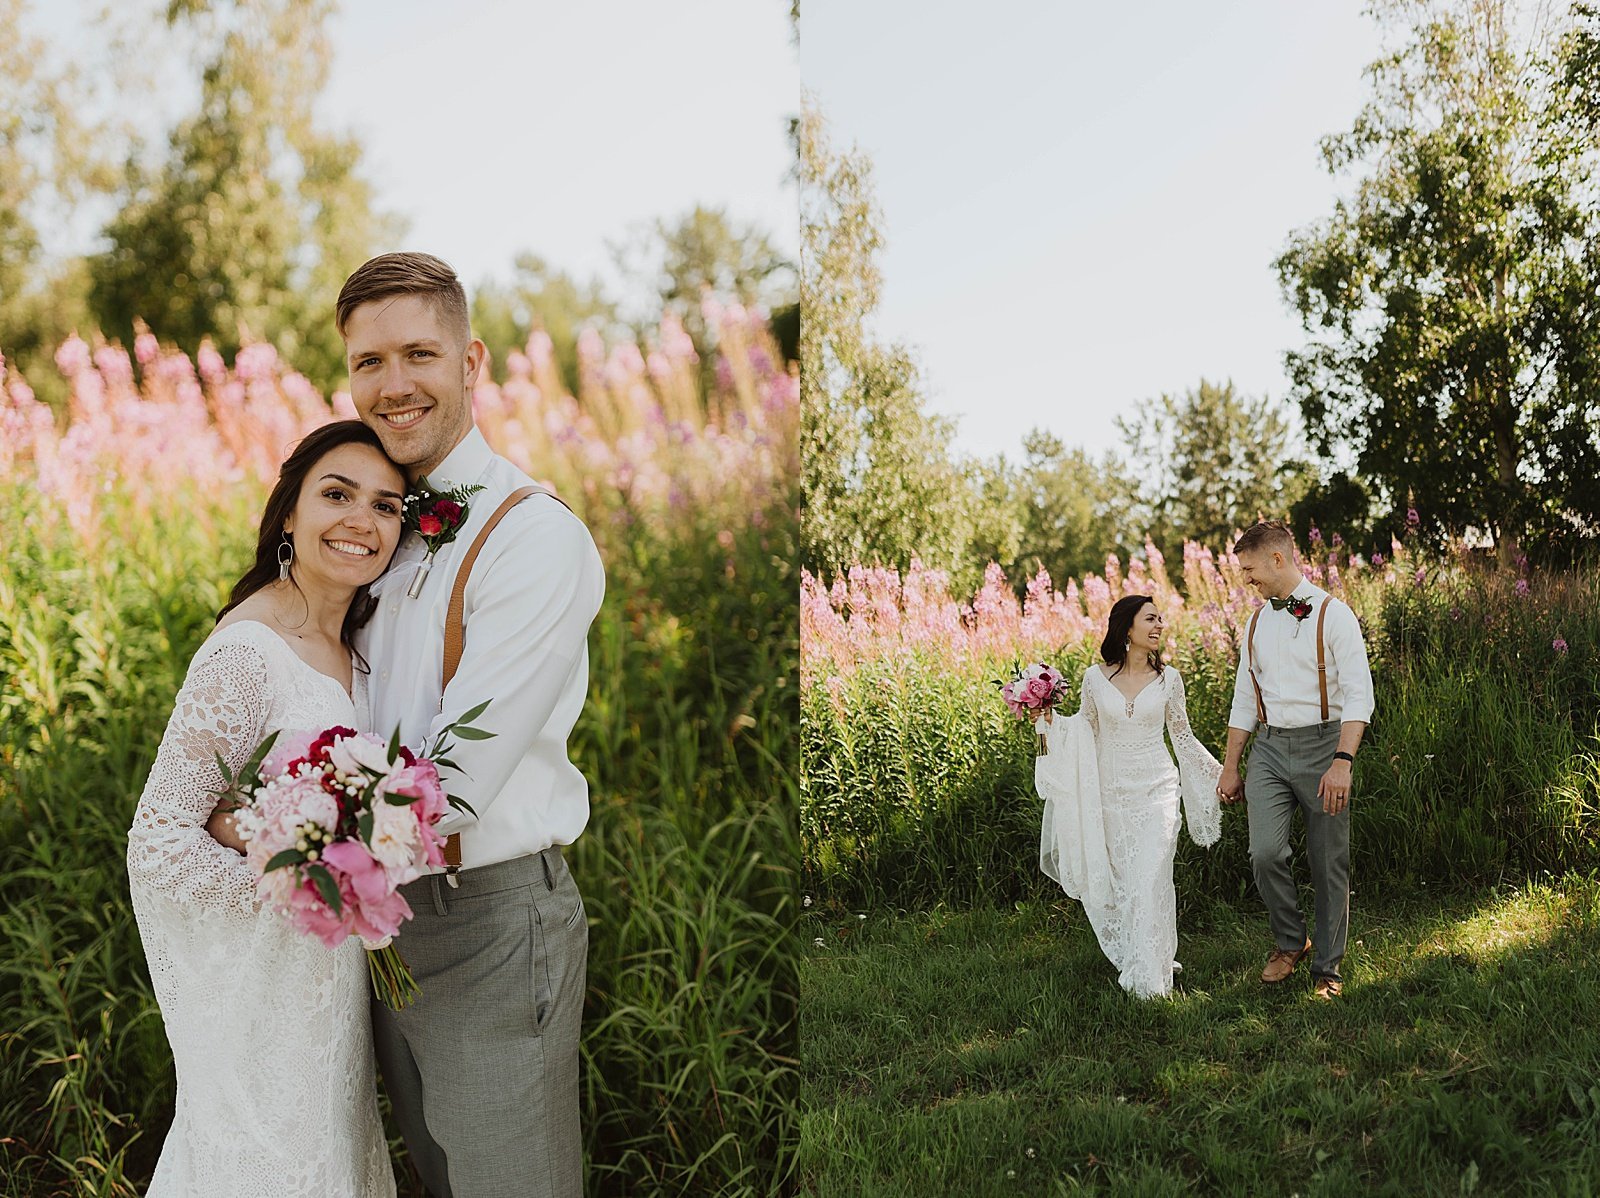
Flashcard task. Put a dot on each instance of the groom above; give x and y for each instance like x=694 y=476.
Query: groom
x=1304 y=688
x=483 y=1068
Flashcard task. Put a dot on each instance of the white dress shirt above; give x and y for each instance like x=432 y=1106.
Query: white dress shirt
x=1286 y=667
x=535 y=588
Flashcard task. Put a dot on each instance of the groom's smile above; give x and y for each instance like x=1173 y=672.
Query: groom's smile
x=404 y=418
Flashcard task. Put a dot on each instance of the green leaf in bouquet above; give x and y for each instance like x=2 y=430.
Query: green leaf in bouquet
x=394 y=745
x=444 y=763
x=364 y=826
x=474 y=734
x=466 y=717
x=398 y=800
x=287 y=857
x=252 y=768
x=326 y=887
x=222 y=768
x=461 y=805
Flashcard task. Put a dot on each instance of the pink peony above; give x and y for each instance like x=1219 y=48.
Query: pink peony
x=313 y=917
x=421 y=782
x=382 y=917
x=290 y=746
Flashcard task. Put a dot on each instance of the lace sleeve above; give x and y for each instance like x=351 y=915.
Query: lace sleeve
x=221 y=709
x=1086 y=703
x=1198 y=770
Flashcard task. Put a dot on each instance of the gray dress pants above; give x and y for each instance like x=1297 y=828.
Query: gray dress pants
x=1285 y=766
x=482 y=1068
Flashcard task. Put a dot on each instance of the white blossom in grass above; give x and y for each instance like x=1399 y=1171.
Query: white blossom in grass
x=820 y=942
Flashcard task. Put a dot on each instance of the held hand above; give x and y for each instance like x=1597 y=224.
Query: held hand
x=1229 y=787
x=224 y=830
x=1334 y=789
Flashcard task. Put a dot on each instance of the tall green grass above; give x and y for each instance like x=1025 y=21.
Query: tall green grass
x=686 y=866
x=1482 y=762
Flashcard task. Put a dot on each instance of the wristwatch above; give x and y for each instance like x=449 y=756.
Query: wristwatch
x=1341 y=755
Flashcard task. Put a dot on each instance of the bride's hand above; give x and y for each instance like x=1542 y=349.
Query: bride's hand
x=224 y=830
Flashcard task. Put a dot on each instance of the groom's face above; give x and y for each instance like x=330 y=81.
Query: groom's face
x=411 y=377
x=1267 y=572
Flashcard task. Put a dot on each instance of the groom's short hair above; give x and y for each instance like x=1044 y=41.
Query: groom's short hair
x=1267 y=536
x=406 y=274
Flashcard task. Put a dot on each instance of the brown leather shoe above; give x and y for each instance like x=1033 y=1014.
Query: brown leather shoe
x=1328 y=988
x=1281 y=963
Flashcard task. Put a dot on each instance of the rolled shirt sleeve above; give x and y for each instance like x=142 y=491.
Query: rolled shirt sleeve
x=1243 y=713
x=1349 y=652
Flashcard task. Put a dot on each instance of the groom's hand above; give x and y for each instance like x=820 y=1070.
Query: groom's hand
x=1334 y=789
x=1229 y=788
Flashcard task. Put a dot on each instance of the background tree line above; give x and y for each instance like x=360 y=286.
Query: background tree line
x=244 y=221
x=1449 y=309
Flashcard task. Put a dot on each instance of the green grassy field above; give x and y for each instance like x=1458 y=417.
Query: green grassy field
x=990 y=1052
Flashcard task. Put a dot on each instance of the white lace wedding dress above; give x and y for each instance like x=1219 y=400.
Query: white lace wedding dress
x=1110 y=830
x=269 y=1029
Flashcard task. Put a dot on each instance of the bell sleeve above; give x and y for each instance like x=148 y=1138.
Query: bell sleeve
x=1198 y=770
x=1072 y=839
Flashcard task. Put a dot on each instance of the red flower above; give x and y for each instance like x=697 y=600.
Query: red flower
x=429 y=525
x=449 y=511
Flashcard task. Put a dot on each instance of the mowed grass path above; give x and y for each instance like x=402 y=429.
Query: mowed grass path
x=989 y=1052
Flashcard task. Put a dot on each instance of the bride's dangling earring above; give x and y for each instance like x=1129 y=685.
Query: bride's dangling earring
x=285 y=556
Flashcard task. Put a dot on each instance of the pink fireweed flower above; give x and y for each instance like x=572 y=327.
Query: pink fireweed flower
x=1522 y=587
x=1559 y=645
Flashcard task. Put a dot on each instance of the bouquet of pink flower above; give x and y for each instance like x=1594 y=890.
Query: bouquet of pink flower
x=1034 y=691
x=334 y=823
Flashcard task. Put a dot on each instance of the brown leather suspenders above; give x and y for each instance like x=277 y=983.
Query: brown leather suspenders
x=455 y=631
x=1322 y=661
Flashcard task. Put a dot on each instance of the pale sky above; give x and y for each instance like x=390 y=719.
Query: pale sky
x=498 y=126
x=1083 y=201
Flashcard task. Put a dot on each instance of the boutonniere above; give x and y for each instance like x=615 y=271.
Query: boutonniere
x=436 y=517
x=1298 y=606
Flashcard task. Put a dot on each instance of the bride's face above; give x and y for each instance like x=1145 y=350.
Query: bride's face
x=1148 y=627
x=346 y=522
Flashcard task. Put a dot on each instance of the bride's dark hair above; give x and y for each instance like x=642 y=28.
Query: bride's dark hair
x=263 y=571
x=1114 y=649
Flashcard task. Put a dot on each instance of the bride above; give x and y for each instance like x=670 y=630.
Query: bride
x=269 y=1029
x=1111 y=797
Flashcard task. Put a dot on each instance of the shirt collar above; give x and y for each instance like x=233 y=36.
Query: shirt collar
x=464 y=464
x=1307 y=590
